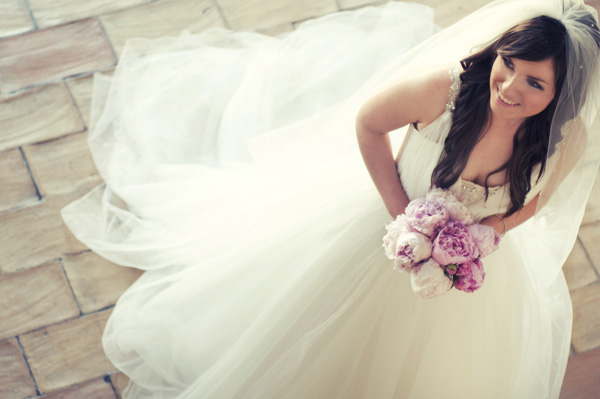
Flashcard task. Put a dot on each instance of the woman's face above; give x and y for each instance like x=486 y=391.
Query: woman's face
x=520 y=89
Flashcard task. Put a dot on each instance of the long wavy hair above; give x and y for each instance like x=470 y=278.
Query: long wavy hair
x=537 y=39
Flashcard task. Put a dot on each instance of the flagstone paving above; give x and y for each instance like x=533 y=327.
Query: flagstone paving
x=55 y=294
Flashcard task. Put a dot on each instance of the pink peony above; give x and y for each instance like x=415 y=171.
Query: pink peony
x=486 y=239
x=470 y=276
x=428 y=279
x=453 y=244
x=456 y=209
x=394 y=230
x=411 y=248
x=426 y=217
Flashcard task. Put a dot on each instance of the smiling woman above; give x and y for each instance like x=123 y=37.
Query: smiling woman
x=521 y=89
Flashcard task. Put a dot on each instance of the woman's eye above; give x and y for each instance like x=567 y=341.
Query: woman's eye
x=535 y=84
x=507 y=63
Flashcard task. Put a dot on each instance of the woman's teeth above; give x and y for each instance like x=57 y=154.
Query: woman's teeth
x=505 y=99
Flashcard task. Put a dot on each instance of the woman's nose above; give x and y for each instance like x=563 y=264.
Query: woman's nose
x=509 y=87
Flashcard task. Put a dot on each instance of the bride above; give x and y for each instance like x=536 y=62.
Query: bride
x=234 y=178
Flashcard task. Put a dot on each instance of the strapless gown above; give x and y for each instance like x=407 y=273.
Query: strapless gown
x=234 y=178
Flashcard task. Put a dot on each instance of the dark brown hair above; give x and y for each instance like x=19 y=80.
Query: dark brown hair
x=537 y=39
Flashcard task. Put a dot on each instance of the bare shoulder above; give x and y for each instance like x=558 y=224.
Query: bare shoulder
x=420 y=99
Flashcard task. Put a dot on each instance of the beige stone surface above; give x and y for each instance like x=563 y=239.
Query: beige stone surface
x=14 y=18
x=15 y=381
x=67 y=159
x=167 y=18
x=582 y=379
x=349 y=4
x=578 y=270
x=119 y=381
x=67 y=353
x=81 y=90
x=35 y=115
x=586 y=318
x=53 y=53
x=449 y=12
x=54 y=12
x=592 y=209
x=257 y=14
x=277 y=30
x=590 y=238
x=97 y=283
x=16 y=183
x=34 y=235
x=95 y=389
x=38 y=297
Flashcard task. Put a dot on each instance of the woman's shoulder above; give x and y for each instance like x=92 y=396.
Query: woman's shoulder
x=421 y=97
x=439 y=91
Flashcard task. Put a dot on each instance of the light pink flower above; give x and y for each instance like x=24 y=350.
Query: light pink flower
x=456 y=209
x=453 y=244
x=428 y=279
x=394 y=230
x=486 y=239
x=470 y=276
x=412 y=247
x=426 y=217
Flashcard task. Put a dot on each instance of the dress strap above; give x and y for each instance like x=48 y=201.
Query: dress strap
x=454 y=72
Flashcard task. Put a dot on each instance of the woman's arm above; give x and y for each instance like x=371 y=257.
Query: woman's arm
x=502 y=224
x=419 y=100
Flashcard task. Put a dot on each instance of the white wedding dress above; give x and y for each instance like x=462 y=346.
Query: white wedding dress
x=233 y=176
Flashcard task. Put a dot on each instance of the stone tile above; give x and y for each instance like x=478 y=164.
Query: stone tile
x=259 y=14
x=53 y=53
x=578 y=270
x=592 y=209
x=277 y=30
x=119 y=381
x=582 y=379
x=590 y=237
x=36 y=115
x=81 y=89
x=16 y=183
x=449 y=12
x=167 y=18
x=97 y=283
x=63 y=168
x=586 y=318
x=349 y=4
x=34 y=235
x=67 y=353
x=35 y=298
x=15 y=381
x=14 y=18
x=94 y=389
x=55 y=12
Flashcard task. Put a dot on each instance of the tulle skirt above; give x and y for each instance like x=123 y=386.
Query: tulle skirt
x=233 y=177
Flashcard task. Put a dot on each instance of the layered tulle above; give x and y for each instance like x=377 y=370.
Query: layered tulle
x=233 y=176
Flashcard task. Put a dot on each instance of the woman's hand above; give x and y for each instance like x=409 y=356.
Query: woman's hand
x=495 y=222
x=503 y=224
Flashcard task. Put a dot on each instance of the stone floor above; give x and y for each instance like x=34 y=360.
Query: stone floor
x=55 y=294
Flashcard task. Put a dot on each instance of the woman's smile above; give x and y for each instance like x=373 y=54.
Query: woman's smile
x=504 y=100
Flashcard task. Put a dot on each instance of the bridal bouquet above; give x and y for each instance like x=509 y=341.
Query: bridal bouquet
x=438 y=243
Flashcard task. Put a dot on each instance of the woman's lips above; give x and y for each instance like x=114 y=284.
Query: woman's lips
x=504 y=100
